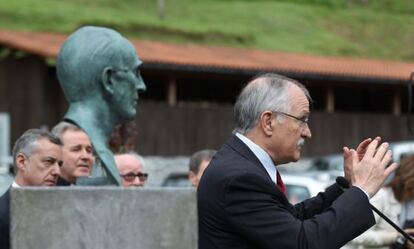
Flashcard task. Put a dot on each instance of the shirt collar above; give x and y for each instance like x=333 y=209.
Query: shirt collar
x=261 y=154
x=15 y=185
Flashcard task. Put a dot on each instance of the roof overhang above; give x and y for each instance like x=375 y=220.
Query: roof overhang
x=208 y=59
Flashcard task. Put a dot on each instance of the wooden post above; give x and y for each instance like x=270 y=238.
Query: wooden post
x=172 y=92
x=330 y=100
x=396 y=102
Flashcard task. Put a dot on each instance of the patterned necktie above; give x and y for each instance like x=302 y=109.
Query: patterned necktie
x=280 y=183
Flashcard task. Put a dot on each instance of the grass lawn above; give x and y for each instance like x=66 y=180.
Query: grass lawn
x=356 y=28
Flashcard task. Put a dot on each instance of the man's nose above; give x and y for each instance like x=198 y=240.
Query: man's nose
x=86 y=155
x=306 y=132
x=56 y=169
x=138 y=182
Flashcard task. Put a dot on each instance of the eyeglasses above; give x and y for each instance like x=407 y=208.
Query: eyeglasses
x=303 y=121
x=130 y=177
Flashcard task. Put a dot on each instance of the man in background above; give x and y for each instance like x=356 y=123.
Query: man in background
x=198 y=163
x=37 y=159
x=131 y=169
x=77 y=151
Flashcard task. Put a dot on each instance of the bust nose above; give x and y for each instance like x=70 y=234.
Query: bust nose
x=140 y=85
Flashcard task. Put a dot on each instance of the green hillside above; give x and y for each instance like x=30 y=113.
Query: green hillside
x=357 y=28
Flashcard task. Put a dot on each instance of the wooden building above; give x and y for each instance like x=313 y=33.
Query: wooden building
x=191 y=90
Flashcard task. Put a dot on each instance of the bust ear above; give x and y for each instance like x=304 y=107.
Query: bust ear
x=107 y=80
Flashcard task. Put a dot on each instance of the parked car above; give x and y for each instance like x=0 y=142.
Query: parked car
x=401 y=149
x=166 y=171
x=334 y=162
x=302 y=187
x=298 y=187
x=176 y=180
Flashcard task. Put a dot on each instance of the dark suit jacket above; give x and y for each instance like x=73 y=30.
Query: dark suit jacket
x=62 y=182
x=5 y=220
x=240 y=207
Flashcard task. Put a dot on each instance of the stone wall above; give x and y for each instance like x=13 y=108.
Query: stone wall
x=103 y=218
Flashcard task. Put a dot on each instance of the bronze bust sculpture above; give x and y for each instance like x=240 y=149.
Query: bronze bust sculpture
x=98 y=70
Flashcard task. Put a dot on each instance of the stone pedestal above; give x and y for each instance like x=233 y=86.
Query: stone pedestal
x=103 y=218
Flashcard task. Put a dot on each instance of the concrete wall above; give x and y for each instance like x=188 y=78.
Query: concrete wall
x=103 y=218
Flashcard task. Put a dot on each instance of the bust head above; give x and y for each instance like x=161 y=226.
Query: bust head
x=99 y=66
x=98 y=70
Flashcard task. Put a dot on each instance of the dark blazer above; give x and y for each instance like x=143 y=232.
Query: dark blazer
x=62 y=182
x=5 y=220
x=240 y=207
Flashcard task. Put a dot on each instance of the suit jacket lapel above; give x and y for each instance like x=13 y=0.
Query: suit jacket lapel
x=236 y=144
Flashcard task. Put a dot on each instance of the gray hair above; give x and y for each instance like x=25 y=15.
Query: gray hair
x=26 y=143
x=198 y=157
x=265 y=92
x=133 y=153
x=63 y=126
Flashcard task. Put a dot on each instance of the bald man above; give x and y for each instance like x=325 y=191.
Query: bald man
x=130 y=166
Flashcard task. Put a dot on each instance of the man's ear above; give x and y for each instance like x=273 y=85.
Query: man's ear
x=267 y=122
x=21 y=161
x=107 y=80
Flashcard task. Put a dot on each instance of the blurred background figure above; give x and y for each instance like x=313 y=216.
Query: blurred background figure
x=198 y=163
x=124 y=137
x=403 y=189
x=131 y=169
x=396 y=201
x=78 y=156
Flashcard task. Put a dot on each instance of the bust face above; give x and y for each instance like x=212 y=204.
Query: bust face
x=127 y=85
x=82 y=68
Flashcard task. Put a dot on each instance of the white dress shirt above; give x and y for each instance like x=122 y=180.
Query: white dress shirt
x=262 y=155
x=15 y=185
